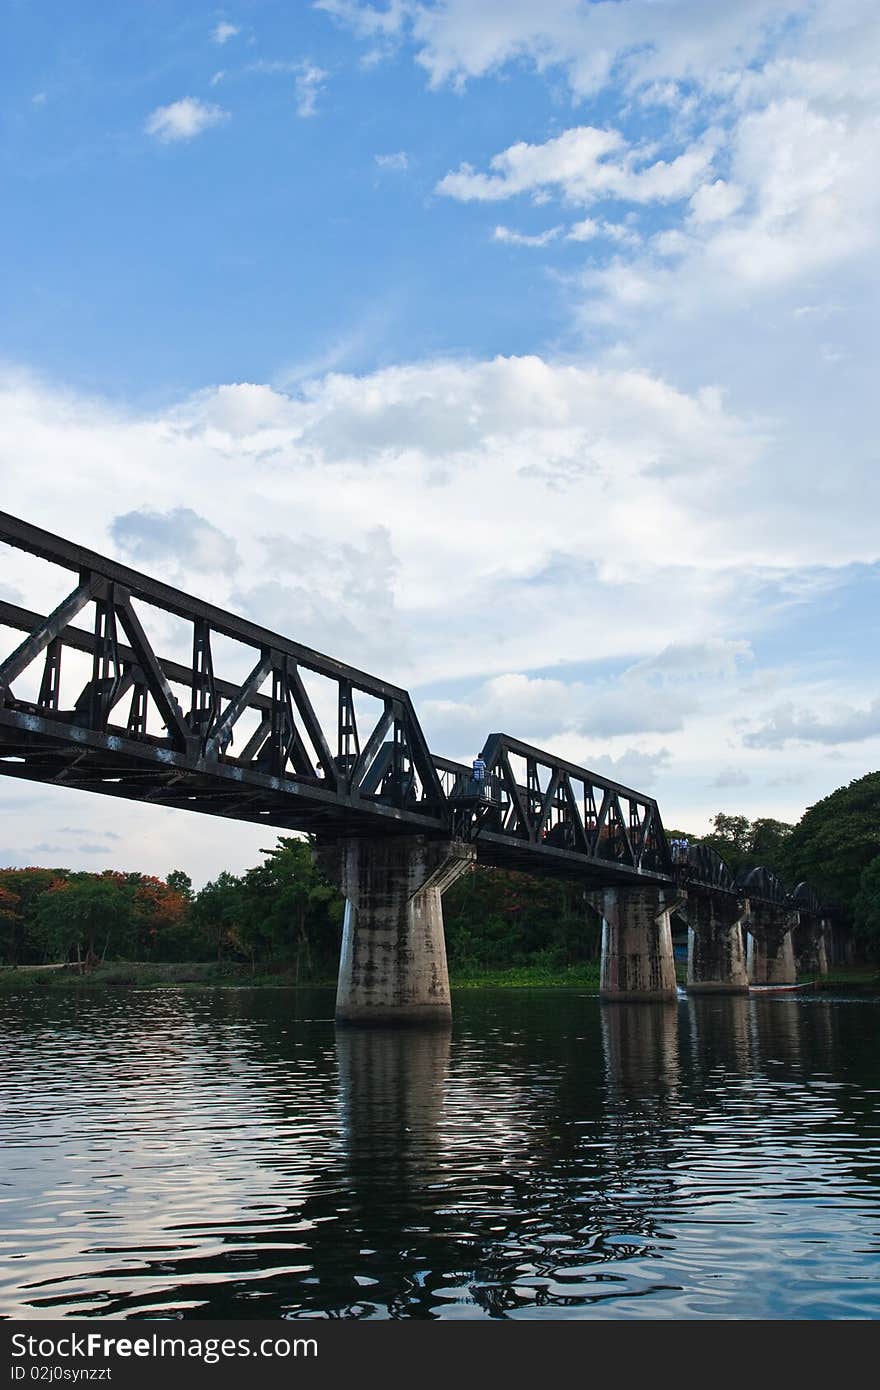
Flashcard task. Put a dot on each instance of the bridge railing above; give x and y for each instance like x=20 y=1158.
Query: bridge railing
x=534 y=805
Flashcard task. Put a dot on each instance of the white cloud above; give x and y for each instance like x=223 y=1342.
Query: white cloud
x=584 y=230
x=310 y=80
x=641 y=43
x=183 y=119
x=179 y=535
x=589 y=229
x=731 y=777
x=396 y=163
x=464 y=528
x=656 y=695
x=224 y=32
x=339 y=594
x=843 y=724
x=512 y=238
x=585 y=164
x=713 y=202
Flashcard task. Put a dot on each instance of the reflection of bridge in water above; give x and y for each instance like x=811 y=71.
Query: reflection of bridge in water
x=544 y=1159
x=300 y=741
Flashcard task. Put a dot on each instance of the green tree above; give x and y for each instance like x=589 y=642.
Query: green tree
x=768 y=842
x=10 y=924
x=216 y=915
x=866 y=909
x=83 y=914
x=180 y=882
x=730 y=837
x=743 y=844
x=835 y=841
x=496 y=917
x=290 y=911
x=20 y=939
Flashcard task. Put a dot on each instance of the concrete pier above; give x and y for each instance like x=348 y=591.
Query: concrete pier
x=770 y=955
x=392 y=968
x=811 y=953
x=716 y=954
x=637 y=961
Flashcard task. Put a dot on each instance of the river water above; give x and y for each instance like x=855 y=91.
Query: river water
x=233 y=1155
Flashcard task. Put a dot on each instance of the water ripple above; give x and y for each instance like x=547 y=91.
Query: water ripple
x=231 y=1155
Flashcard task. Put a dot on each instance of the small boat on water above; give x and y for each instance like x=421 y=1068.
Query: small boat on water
x=782 y=989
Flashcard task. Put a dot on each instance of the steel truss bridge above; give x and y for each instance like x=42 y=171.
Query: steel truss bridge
x=287 y=737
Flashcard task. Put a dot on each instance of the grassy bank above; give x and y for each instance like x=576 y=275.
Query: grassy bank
x=236 y=975
x=863 y=979
x=584 y=976
x=154 y=975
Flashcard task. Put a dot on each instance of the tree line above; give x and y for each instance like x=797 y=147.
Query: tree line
x=284 y=914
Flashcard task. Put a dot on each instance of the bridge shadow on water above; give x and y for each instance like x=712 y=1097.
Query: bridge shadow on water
x=237 y=1156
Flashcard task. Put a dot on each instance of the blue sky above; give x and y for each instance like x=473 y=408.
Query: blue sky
x=525 y=355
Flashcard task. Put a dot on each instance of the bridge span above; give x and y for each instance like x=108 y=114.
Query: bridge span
x=243 y=723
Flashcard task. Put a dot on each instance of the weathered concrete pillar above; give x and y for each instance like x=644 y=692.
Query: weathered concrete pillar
x=393 y=963
x=811 y=955
x=716 y=958
x=637 y=961
x=770 y=956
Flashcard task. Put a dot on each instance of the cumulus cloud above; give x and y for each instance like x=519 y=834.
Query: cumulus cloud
x=337 y=596
x=845 y=724
x=640 y=43
x=589 y=230
x=655 y=695
x=583 y=164
x=180 y=535
x=183 y=119
x=570 y=554
x=634 y=767
x=713 y=202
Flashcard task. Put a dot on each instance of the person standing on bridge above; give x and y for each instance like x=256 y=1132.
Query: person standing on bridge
x=479 y=773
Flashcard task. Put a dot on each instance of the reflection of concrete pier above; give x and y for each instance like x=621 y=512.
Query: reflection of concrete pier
x=719 y=1028
x=776 y=1030
x=392 y=1087
x=640 y=1045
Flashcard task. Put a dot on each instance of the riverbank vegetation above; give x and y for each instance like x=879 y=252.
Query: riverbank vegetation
x=282 y=916
x=281 y=921
x=230 y=974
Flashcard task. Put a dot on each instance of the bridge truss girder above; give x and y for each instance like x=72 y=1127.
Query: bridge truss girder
x=172 y=732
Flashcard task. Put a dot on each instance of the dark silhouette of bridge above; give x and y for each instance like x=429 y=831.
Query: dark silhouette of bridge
x=257 y=727
x=302 y=741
